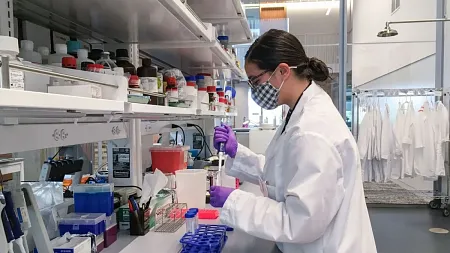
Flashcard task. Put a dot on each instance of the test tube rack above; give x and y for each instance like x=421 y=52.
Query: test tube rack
x=169 y=218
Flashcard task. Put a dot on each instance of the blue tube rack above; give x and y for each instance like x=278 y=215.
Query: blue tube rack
x=207 y=239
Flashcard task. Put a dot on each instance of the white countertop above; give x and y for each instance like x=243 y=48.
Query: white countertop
x=238 y=242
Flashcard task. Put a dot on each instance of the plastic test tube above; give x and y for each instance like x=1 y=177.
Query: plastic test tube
x=190 y=222
x=195 y=212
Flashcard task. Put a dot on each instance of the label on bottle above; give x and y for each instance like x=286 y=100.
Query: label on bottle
x=16 y=79
x=160 y=83
x=149 y=84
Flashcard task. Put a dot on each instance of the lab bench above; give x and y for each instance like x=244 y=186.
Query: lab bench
x=238 y=241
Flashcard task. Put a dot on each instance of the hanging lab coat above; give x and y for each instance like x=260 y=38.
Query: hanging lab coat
x=387 y=145
x=376 y=161
x=366 y=134
x=442 y=135
x=424 y=143
x=315 y=197
x=407 y=140
x=397 y=161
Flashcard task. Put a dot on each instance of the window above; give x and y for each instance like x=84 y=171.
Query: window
x=395 y=5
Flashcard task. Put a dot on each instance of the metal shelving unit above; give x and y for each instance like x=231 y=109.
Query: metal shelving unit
x=32 y=120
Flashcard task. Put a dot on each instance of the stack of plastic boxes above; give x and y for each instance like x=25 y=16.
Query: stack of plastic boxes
x=83 y=223
x=98 y=199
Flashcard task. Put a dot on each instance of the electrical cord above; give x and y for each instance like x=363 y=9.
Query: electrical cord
x=57 y=152
x=200 y=129
x=182 y=130
x=204 y=140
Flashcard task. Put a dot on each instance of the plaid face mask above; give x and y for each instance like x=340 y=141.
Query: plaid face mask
x=265 y=95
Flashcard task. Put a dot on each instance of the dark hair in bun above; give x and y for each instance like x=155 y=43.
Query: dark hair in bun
x=278 y=46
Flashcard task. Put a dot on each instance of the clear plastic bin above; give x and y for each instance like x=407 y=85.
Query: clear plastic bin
x=82 y=223
x=94 y=198
x=191 y=187
x=169 y=159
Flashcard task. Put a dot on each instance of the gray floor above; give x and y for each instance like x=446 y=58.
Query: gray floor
x=399 y=230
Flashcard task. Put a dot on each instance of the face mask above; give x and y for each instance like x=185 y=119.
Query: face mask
x=265 y=95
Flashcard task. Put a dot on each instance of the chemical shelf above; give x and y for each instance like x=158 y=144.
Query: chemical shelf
x=230 y=13
x=155 y=25
x=38 y=104
x=200 y=55
x=139 y=21
x=216 y=113
x=155 y=112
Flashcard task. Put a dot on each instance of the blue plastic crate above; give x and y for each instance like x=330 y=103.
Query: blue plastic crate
x=207 y=239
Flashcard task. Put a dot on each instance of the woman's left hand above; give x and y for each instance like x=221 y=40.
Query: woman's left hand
x=219 y=194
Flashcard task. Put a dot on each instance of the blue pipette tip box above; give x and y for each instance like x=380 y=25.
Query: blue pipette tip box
x=208 y=238
x=82 y=223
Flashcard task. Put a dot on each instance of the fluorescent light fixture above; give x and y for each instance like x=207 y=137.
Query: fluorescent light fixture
x=328 y=11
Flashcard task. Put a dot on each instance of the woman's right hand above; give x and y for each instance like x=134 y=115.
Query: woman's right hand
x=224 y=134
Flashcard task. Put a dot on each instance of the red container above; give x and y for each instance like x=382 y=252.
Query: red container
x=221 y=94
x=110 y=235
x=169 y=159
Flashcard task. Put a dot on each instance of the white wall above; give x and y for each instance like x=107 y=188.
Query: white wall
x=419 y=74
x=369 y=60
x=313 y=20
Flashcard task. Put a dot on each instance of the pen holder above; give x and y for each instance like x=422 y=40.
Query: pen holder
x=140 y=225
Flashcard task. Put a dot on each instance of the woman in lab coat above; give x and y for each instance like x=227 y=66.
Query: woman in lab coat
x=311 y=173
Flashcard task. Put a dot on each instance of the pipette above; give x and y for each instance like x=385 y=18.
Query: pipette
x=14 y=221
x=221 y=154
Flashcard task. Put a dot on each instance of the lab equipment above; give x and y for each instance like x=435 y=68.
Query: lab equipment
x=110 y=235
x=60 y=52
x=208 y=214
x=191 y=187
x=94 y=198
x=3 y=233
x=190 y=222
x=72 y=245
x=14 y=221
x=83 y=223
x=221 y=154
x=208 y=238
x=194 y=211
x=10 y=48
x=169 y=159
x=168 y=218
x=139 y=218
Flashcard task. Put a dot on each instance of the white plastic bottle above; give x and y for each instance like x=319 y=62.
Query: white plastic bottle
x=82 y=57
x=26 y=50
x=45 y=52
x=61 y=52
x=9 y=47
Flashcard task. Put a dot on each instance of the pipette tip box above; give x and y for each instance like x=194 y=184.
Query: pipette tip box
x=75 y=245
x=82 y=223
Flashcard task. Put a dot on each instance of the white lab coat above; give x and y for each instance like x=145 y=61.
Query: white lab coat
x=387 y=145
x=425 y=143
x=397 y=161
x=316 y=201
x=442 y=136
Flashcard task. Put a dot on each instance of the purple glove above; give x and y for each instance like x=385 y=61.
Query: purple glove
x=224 y=134
x=218 y=195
